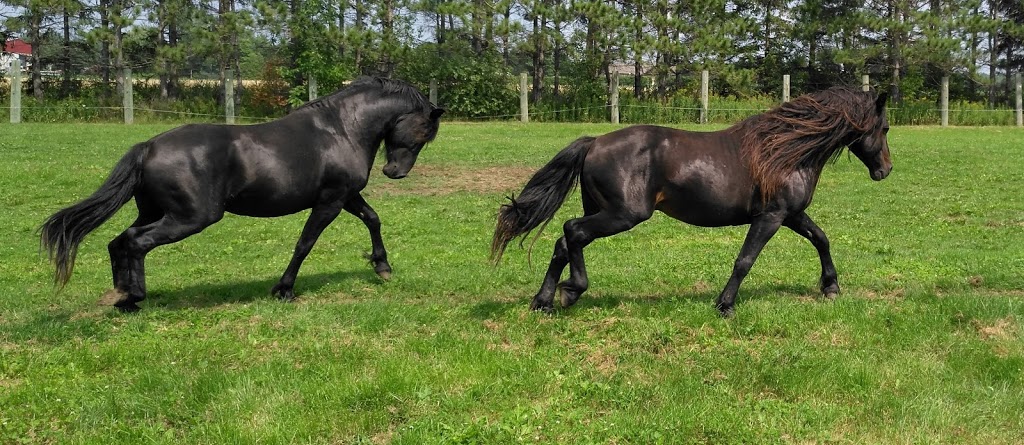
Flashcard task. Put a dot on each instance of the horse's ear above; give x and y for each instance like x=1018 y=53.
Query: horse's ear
x=880 y=102
x=436 y=112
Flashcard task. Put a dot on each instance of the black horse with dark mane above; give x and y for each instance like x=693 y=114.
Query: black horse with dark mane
x=317 y=157
x=761 y=171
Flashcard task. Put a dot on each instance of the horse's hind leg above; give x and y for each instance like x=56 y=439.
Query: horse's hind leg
x=378 y=256
x=319 y=218
x=139 y=241
x=121 y=263
x=544 y=300
x=803 y=225
x=579 y=233
x=545 y=296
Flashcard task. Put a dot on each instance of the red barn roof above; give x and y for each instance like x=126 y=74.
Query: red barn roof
x=17 y=46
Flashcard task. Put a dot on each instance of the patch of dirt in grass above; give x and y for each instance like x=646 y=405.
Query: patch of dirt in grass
x=700 y=287
x=498 y=329
x=1001 y=329
x=600 y=360
x=828 y=336
x=384 y=437
x=994 y=223
x=433 y=180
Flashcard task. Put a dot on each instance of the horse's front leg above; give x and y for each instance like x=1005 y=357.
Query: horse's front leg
x=379 y=255
x=319 y=218
x=761 y=230
x=803 y=225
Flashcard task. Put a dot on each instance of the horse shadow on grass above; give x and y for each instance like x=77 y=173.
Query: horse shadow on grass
x=58 y=324
x=608 y=301
x=204 y=295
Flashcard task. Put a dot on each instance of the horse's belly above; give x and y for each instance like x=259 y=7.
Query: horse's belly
x=263 y=206
x=702 y=207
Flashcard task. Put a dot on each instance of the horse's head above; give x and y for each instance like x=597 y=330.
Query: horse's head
x=872 y=147
x=410 y=133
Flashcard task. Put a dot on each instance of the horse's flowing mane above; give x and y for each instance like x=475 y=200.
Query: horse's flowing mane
x=388 y=86
x=810 y=130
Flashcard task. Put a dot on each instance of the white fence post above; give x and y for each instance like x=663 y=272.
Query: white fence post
x=524 y=103
x=128 y=99
x=615 y=97
x=1020 y=111
x=229 y=99
x=312 y=87
x=704 y=96
x=865 y=83
x=785 y=88
x=16 y=91
x=433 y=91
x=945 y=101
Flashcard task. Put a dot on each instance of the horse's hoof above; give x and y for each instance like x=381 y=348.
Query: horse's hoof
x=726 y=311
x=829 y=296
x=127 y=307
x=568 y=298
x=384 y=274
x=283 y=293
x=541 y=306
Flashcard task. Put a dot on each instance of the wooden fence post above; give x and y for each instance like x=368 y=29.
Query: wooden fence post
x=433 y=91
x=312 y=87
x=865 y=82
x=614 y=90
x=524 y=103
x=785 y=88
x=128 y=99
x=1020 y=111
x=229 y=99
x=16 y=91
x=945 y=101
x=704 y=96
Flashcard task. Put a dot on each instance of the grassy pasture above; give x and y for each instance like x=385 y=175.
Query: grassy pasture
x=923 y=346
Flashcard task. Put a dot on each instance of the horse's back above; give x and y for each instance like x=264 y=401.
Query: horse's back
x=694 y=176
x=248 y=170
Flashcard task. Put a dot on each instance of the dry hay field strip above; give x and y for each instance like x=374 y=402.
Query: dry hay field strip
x=924 y=345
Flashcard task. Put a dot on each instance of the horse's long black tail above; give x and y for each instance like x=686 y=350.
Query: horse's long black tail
x=542 y=196
x=61 y=234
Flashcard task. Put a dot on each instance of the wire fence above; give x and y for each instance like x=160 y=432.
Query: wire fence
x=207 y=104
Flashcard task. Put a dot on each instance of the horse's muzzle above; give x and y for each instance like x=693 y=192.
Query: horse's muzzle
x=394 y=172
x=880 y=173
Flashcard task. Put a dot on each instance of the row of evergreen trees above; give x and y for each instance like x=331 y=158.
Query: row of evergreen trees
x=474 y=48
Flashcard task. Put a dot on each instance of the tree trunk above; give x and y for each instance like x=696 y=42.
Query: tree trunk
x=556 y=66
x=36 y=22
x=505 y=34
x=895 y=56
x=638 y=66
x=342 y=4
x=992 y=59
x=118 y=47
x=105 y=46
x=360 y=25
x=173 y=80
x=65 y=84
x=538 y=57
x=387 y=25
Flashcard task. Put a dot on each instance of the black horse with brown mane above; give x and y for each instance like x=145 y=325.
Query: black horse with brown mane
x=317 y=157
x=761 y=171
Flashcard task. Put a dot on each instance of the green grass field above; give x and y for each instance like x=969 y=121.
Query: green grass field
x=923 y=346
